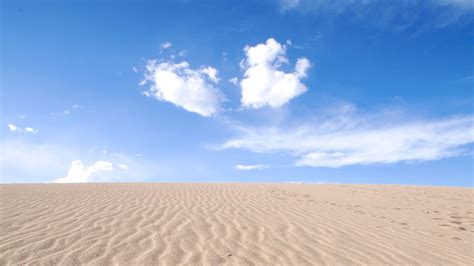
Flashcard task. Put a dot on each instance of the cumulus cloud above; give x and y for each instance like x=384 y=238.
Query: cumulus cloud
x=15 y=128
x=12 y=127
x=210 y=72
x=251 y=167
x=350 y=138
x=79 y=173
x=191 y=89
x=263 y=83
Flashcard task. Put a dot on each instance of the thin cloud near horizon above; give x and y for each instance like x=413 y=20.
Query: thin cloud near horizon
x=352 y=138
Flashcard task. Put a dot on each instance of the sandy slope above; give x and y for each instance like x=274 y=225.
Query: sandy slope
x=235 y=224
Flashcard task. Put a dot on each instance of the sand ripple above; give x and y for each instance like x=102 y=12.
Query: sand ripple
x=240 y=224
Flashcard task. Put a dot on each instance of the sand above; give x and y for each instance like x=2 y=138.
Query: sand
x=236 y=224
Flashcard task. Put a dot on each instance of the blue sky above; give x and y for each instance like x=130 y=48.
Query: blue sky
x=237 y=91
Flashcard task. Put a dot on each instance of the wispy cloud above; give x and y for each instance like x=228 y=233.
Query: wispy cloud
x=462 y=4
x=350 y=137
x=15 y=128
x=264 y=84
x=191 y=89
x=165 y=45
x=66 y=112
x=289 y=4
x=123 y=166
x=340 y=5
x=387 y=12
x=251 y=167
x=234 y=81
x=466 y=78
x=31 y=130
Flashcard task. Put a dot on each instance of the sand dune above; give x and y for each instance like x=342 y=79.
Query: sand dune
x=240 y=224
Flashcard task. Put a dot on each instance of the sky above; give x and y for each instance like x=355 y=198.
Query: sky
x=376 y=92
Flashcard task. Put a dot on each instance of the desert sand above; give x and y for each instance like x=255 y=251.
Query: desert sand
x=237 y=224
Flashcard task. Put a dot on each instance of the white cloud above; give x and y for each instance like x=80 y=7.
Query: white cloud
x=12 y=127
x=211 y=73
x=289 y=4
x=123 y=166
x=263 y=83
x=165 y=45
x=351 y=138
x=31 y=130
x=15 y=128
x=462 y=4
x=234 y=81
x=401 y=14
x=79 y=173
x=192 y=89
x=251 y=167
x=302 y=65
x=344 y=4
x=73 y=108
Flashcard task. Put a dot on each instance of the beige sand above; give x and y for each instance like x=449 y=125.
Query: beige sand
x=297 y=224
